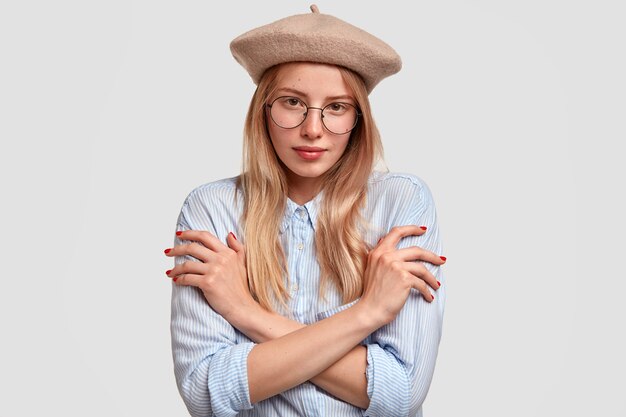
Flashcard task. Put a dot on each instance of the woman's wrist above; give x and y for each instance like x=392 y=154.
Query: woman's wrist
x=244 y=317
x=368 y=316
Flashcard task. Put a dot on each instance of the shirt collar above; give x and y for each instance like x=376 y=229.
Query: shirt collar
x=311 y=208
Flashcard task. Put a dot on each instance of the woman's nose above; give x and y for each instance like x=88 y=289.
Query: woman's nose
x=312 y=125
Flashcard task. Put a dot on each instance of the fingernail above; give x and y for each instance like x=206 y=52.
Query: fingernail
x=379 y=240
x=168 y=272
x=175 y=279
x=433 y=297
x=179 y=233
x=233 y=235
x=439 y=283
x=423 y=227
x=443 y=258
x=167 y=250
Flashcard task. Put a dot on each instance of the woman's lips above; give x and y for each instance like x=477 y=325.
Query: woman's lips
x=309 y=153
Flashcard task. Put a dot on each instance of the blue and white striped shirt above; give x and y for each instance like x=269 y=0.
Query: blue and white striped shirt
x=210 y=356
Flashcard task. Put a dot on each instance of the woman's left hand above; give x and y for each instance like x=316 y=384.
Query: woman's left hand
x=220 y=274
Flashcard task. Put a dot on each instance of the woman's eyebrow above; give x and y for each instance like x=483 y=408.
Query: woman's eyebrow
x=302 y=93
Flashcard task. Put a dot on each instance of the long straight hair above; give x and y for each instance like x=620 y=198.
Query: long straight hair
x=340 y=248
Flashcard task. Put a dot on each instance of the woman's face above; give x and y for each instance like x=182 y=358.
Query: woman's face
x=309 y=150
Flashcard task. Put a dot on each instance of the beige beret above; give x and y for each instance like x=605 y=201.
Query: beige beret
x=315 y=37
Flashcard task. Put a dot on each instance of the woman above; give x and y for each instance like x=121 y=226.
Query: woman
x=311 y=312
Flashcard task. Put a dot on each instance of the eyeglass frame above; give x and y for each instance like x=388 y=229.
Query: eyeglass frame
x=306 y=114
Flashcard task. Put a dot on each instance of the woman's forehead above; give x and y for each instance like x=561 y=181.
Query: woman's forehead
x=313 y=79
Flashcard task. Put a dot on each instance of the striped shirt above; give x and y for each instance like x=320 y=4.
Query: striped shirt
x=210 y=356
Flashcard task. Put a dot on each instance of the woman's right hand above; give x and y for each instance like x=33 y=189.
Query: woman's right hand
x=391 y=273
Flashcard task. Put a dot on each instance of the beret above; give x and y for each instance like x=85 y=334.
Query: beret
x=315 y=37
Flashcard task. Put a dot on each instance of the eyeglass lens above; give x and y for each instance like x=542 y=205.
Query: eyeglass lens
x=290 y=112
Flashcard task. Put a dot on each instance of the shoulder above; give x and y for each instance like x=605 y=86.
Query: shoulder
x=398 y=194
x=222 y=190
x=380 y=177
x=397 y=185
x=212 y=205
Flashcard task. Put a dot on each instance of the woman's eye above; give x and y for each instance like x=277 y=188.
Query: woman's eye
x=293 y=101
x=337 y=107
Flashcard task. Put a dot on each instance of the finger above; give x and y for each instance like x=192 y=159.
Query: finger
x=421 y=286
x=237 y=246
x=189 y=280
x=207 y=239
x=194 y=249
x=396 y=233
x=233 y=243
x=189 y=267
x=420 y=271
x=415 y=253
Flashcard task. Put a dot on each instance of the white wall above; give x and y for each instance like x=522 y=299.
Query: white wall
x=513 y=112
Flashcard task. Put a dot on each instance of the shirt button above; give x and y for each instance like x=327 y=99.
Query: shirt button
x=302 y=214
x=300 y=246
x=294 y=287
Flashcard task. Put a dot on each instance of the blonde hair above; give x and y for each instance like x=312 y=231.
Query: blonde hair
x=341 y=250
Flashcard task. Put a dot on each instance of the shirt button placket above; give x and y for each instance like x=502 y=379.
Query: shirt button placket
x=300 y=235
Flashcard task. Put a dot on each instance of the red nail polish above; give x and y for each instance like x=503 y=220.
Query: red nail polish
x=233 y=235
x=167 y=250
x=175 y=279
x=433 y=297
x=443 y=258
x=423 y=227
x=439 y=283
x=179 y=233
x=168 y=272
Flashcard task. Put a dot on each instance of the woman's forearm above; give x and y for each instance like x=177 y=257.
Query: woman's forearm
x=303 y=354
x=345 y=379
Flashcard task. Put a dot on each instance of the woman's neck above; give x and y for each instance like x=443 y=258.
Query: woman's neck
x=300 y=197
x=304 y=190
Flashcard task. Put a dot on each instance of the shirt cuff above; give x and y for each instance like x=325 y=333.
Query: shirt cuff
x=228 y=380
x=387 y=384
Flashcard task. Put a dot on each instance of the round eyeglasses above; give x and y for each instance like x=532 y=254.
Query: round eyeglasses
x=290 y=112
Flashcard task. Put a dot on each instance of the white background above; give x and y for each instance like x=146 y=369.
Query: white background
x=512 y=112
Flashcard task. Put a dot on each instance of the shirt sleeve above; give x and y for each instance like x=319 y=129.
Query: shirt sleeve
x=401 y=355
x=210 y=356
